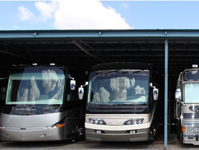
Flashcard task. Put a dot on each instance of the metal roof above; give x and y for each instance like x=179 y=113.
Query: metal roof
x=82 y=49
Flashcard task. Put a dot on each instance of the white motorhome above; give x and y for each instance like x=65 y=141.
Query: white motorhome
x=121 y=103
x=187 y=106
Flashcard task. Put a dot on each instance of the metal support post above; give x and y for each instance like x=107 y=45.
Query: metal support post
x=166 y=94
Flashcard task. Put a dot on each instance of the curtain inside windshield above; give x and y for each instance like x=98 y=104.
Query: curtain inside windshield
x=119 y=87
x=36 y=86
x=191 y=92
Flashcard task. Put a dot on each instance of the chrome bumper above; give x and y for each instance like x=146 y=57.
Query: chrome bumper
x=191 y=133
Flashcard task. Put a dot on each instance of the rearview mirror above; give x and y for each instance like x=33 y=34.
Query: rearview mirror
x=72 y=84
x=155 y=93
x=81 y=91
x=178 y=94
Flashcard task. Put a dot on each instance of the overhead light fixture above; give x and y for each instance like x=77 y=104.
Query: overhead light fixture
x=34 y=64
x=195 y=66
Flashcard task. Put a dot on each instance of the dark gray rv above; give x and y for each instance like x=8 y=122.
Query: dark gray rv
x=121 y=103
x=187 y=106
x=41 y=105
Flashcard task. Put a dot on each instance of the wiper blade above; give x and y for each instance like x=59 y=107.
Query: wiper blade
x=104 y=72
x=124 y=71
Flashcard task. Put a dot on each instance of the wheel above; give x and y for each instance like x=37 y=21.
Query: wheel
x=179 y=131
x=80 y=132
x=151 y=133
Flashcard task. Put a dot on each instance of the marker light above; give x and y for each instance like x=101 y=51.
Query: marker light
x=194 y=66
x=56 y=126
x=2 y=127
x=97 y=121
x=34 y=64
x=183 y=128
x=60 y=125
x=134 y=121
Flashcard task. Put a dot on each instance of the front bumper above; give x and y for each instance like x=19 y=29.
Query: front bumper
x=191 y=133
x=128 y=135
x=34 y=134
x=191 y=138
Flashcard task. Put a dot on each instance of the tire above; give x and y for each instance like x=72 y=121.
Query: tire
x=151 y=134
x=179 y=131
x=80 y=132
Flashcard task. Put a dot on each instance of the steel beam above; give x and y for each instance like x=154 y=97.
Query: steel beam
x=86 y=50
x=99 y=34
x=166 y=95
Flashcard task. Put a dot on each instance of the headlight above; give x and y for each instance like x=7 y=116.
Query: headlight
x=134 y=121
x=97 y=121
x=2 y=127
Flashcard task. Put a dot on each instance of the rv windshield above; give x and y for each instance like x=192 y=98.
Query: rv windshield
x=36 y=85
x=118 y=87
x=191 y=92
x=191 y=75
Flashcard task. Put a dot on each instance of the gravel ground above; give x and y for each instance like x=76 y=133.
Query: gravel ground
x=158 y=144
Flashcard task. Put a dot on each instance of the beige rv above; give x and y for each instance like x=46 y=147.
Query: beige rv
x=121 y=103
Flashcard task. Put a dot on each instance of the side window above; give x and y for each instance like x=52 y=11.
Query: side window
x=69 y=97
x=3 y=88
x=3 y=94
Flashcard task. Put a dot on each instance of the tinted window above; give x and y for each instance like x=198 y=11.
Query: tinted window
x=36 y=86
x=116 y=87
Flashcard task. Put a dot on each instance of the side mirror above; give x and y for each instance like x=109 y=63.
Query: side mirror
x=178 y=94
x=155 y=94
x=81 y=91
x=72 y=84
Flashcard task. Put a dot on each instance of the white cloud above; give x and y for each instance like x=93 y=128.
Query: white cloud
x=50 y=79
x=77 y=14
x=102 y=97
x=46 y=10
x=87 y=14
x=25 y=14
x=120 y=85
x=104 y=94
x=139 y=90
x=24 y=96
x=34 y=90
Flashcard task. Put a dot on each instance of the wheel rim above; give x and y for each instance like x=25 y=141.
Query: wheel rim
x=80 y=131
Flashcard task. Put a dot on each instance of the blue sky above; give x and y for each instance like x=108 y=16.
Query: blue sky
x=94 y=14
